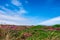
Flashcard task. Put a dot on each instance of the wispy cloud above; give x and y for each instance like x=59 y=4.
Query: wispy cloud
x=8 y=22
x=16 y=2
x=52 y=21
x=9 y=16
x=7 y=11
x=5 y=18
x=12 y=17
x=22 y=11
x=16 y=20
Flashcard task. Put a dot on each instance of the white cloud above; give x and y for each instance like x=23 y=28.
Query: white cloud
x=19 y=4
x=7 y=10
x=52 y=21
x=11 y=17
x=22 y=11
x=15 y=17
x=5 y=19
x=8 y=22
x=1 y=12
x=16 y=2
x=16 y=20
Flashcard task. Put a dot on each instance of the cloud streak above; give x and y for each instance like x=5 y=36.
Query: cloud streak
x=16 y=2
x=9 y=16
x=8 y=22
x=12 y=17
x=52 y=21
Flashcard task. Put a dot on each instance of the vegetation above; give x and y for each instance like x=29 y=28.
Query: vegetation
x=57 y=25
x=38 y=32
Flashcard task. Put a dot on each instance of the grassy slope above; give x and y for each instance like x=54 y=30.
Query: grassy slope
x=35 y=33
x=43 y=35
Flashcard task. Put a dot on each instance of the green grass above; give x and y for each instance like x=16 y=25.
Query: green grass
x=42 y=34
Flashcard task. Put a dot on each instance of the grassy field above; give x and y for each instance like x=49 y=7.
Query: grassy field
x=33 y=33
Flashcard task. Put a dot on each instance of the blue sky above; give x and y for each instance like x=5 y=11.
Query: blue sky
x=29 y=12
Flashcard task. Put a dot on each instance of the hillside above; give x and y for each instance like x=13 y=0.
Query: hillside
x=38 y=32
